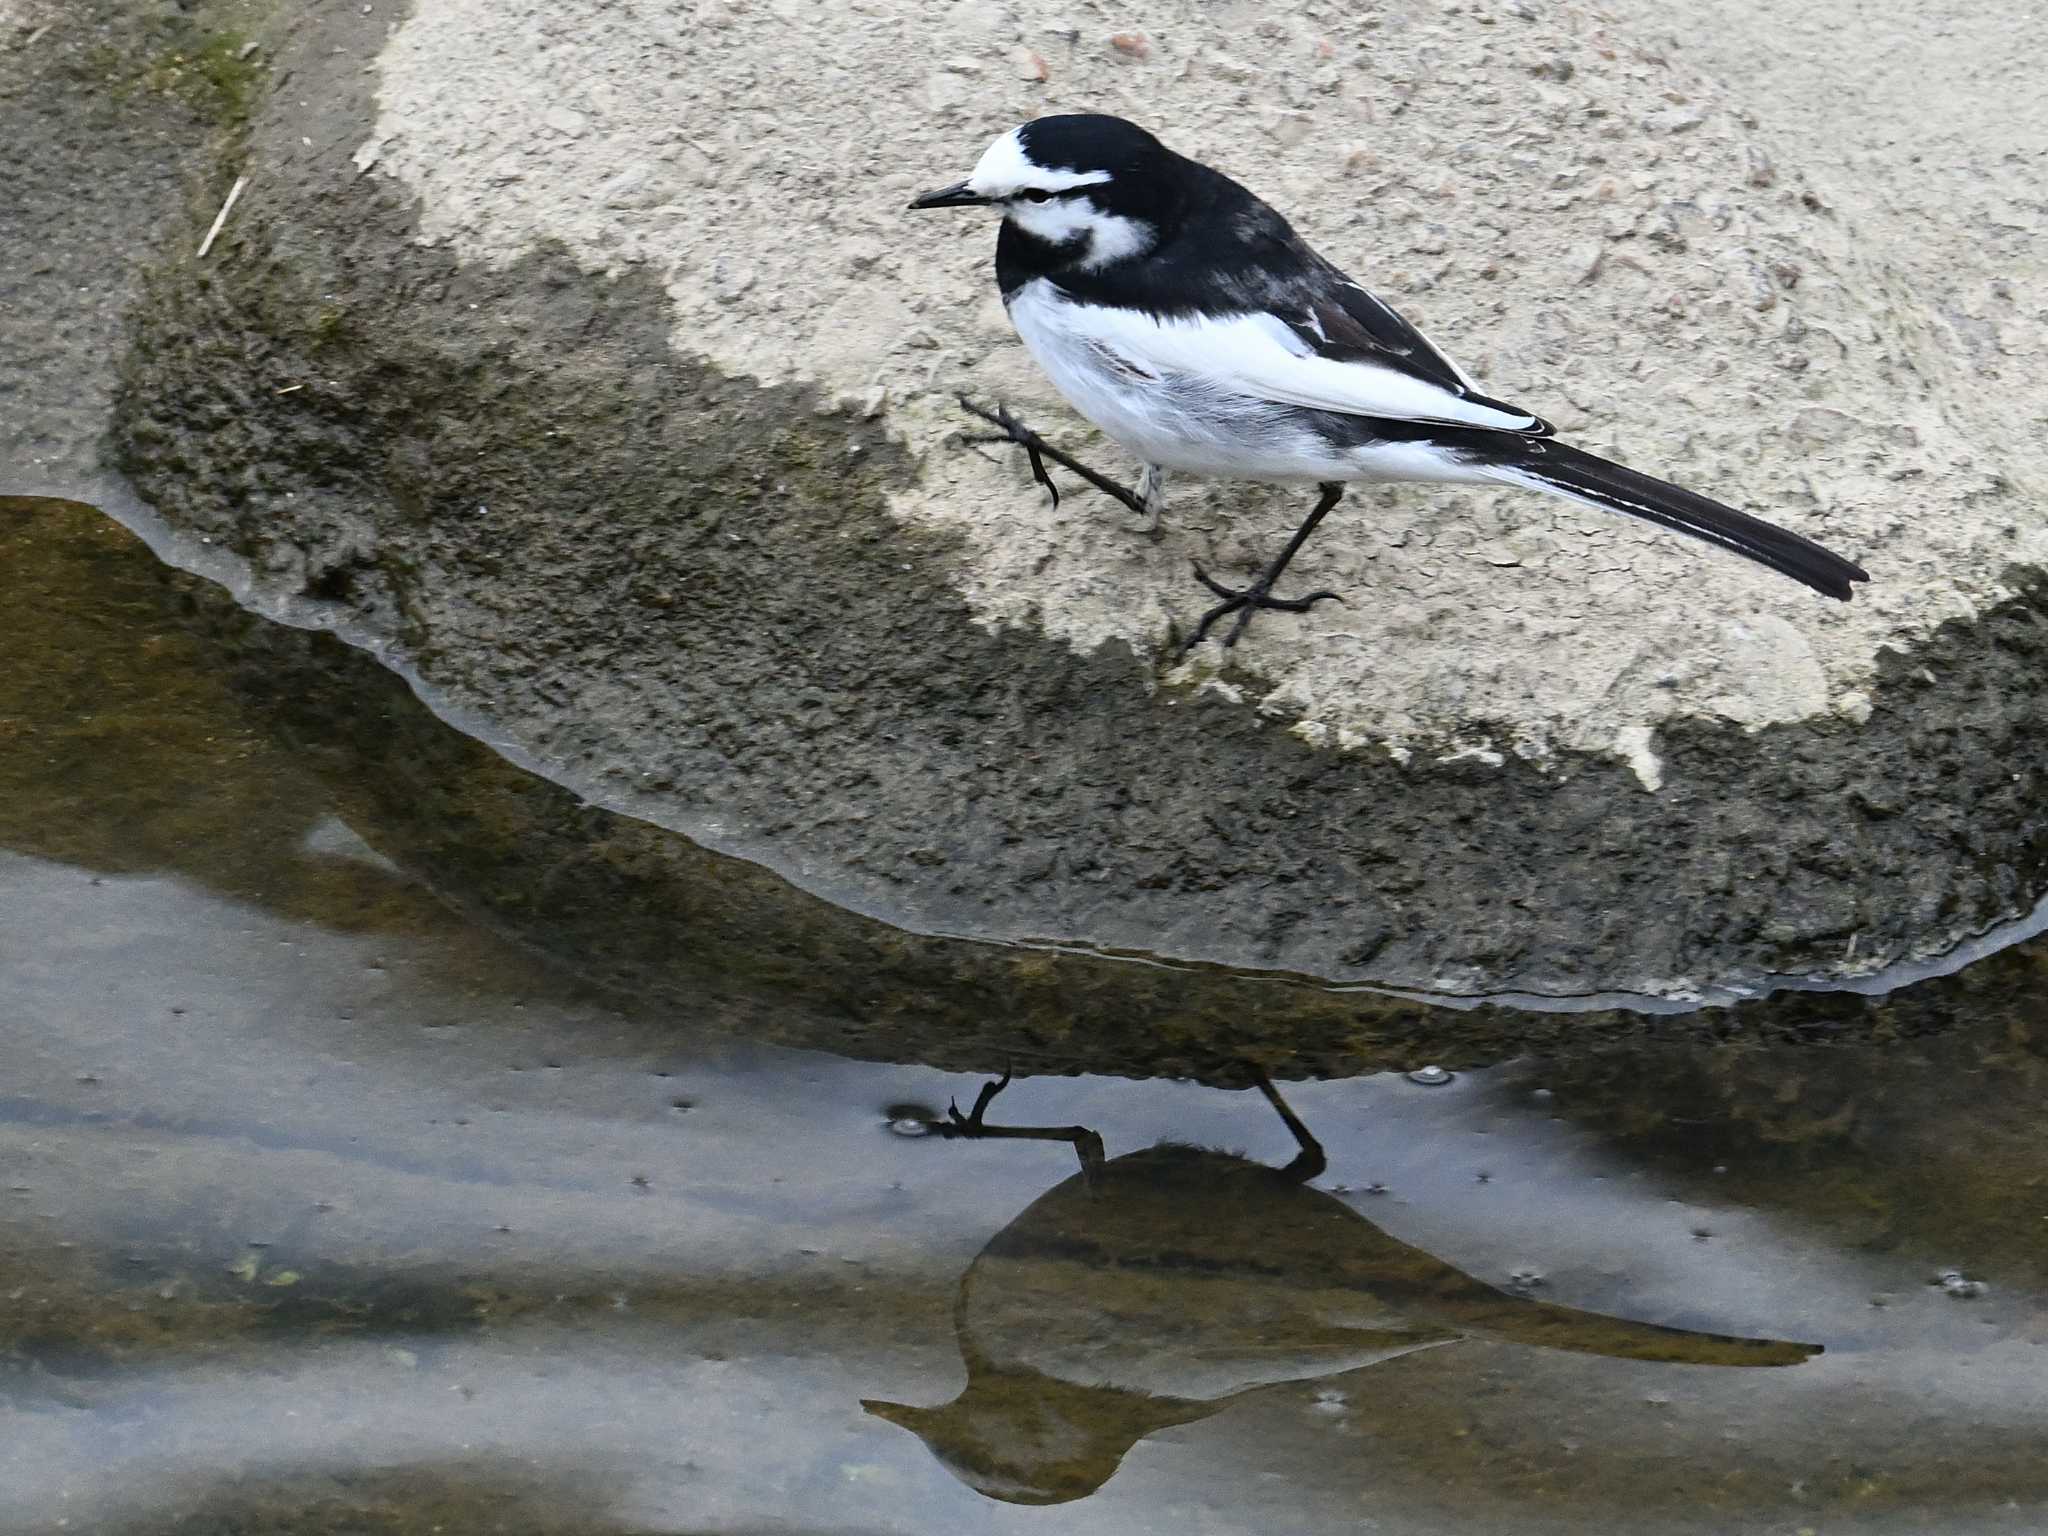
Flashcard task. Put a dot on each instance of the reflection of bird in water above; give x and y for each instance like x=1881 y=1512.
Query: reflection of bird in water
x=1156 y=1288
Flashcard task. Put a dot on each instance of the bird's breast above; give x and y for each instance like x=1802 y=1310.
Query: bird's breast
x=1165 y=416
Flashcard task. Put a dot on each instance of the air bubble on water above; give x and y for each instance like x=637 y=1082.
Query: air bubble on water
x=907 y=1117
x=1954 y=1282
x=1430 y=1077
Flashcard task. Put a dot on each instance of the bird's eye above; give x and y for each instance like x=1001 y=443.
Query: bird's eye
x=1036 y=195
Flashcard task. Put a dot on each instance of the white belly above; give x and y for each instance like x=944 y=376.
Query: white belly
x=1173 y=421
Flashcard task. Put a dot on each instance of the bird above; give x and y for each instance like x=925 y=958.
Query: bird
x=1186 y=319
x=1155 y=1289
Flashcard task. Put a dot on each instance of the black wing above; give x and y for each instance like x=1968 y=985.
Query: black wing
x=1347 y=322
x=1233 y=253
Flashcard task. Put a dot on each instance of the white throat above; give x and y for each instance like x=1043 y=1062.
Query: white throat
x=1110 y=236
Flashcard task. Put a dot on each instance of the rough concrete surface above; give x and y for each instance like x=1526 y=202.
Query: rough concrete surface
x=538 y=399
x=101 y=129
x=1598 y=232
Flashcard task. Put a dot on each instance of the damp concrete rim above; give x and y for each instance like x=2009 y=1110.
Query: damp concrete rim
x=115 y=498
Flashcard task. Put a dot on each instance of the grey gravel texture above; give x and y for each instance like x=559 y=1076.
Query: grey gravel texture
x=710 y=600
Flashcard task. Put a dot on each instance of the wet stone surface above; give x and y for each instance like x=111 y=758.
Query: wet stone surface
x=342 y=754
x=355 y=1185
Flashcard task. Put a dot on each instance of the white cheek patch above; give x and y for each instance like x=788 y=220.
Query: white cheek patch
x=1006 y=170
x=1115 y=237
x=1056 y=222
x=1110 y=236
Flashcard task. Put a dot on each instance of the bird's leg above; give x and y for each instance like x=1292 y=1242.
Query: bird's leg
x=1309 y=1162
x=1087 y=1144
x=1152 y=491
x=1038 y=450
x=1245 y=601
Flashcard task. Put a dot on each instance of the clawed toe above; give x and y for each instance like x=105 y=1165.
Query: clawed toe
x=1014 y=431
x=970 y=1124
x=1038 y=450
x=1302 y=604
x=1244 y=602
x=1000 y=415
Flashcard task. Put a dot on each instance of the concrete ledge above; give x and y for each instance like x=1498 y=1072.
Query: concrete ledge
x=241 y=756
x=630 y=512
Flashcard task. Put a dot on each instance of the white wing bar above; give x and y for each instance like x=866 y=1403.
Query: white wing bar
x=1258 y=355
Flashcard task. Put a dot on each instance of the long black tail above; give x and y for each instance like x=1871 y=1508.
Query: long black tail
x=1549 y=465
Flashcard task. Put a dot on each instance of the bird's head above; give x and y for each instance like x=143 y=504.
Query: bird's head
x=1093 y=189
x=1024 y=1438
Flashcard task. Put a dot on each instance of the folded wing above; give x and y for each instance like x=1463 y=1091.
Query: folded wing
x=1321 y=359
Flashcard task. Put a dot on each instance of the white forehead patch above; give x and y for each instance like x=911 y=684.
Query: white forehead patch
x=1005 y=170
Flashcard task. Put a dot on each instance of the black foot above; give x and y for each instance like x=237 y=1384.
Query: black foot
x=969 y=1124
x=1086 y=1144
x=1244 y=602
x=1038 y=450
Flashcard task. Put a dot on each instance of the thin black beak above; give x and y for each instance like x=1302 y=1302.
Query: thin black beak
x=958 y=195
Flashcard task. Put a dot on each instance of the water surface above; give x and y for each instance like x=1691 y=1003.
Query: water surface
x=393 y=1143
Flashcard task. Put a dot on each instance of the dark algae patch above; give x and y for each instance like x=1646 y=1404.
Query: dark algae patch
x=499 y=1496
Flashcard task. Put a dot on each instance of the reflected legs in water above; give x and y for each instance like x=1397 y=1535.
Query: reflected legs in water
x=1086 y=1144
x=1308 y=1163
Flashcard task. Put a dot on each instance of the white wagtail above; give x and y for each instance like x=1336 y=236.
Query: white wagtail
x=1187 y=320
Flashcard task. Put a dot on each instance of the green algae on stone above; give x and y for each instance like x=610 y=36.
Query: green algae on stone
x=207 y=57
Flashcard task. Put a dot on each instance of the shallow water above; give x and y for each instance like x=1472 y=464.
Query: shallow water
x=393 y=1143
